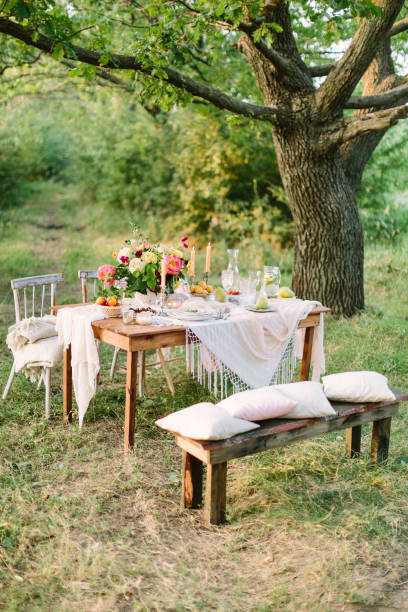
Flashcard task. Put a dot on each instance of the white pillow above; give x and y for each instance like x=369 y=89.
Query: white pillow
x=258 y=404
x=312 y=400
x=204 y=421
x=357 y=387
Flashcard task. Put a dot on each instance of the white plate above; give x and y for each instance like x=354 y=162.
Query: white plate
x=253 y=309
x=200 y=315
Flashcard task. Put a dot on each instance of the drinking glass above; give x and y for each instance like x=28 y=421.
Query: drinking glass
x=127 y=316
x=227 y=279
x=271 y=281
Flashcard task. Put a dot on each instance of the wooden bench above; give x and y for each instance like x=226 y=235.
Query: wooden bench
x=276 y=433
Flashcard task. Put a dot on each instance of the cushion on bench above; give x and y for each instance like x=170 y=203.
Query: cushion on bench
x=357 y=387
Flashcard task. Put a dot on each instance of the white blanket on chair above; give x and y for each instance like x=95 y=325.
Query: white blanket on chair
x=74 y=326
x=34 y=345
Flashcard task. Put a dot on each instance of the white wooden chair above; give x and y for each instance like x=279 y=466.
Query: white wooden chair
x=90 y=275
x=36 y=304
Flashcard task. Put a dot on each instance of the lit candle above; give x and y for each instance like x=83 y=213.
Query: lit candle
x=208 y=258
x=163 y=274
x=192 y=262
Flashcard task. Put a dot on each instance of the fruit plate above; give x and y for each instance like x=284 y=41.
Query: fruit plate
x=110 y=311
x=253 y=309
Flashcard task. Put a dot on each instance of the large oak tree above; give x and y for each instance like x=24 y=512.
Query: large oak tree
x=262 y=60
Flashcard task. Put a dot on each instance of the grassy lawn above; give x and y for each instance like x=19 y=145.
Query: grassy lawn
x=83 y=527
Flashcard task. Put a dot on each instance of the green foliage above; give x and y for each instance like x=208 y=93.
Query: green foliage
x=382 y=200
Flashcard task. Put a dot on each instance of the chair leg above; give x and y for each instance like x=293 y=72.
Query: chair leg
x=40 y=379
x=10 y=380
x=47 y=382
x=166 y=371
x=114 y=360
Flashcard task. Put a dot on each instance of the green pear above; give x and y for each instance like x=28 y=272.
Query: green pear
x=220 y=294
x=261 y=303
x=286 y=292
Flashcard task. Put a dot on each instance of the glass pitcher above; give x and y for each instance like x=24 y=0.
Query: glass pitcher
x=233 y=267
x=271 y=281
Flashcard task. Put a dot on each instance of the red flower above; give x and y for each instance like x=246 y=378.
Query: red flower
x=139 y=253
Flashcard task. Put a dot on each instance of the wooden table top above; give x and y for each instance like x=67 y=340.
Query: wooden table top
x=116 y=325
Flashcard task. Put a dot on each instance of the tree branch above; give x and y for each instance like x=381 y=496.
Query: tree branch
x=347 y=72
x=399 y=27
x=126 y=62
x=388 y=99
x=324 y=69
x=320 y=71
x=284 y=66
x=378 y=121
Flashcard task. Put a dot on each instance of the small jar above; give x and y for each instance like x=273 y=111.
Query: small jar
x=127 y=316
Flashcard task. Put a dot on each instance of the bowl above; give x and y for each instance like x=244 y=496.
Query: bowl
x=111 y=311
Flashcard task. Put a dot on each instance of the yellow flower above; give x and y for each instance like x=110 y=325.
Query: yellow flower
x=176 y=252
x=149 y=257
x=114 y=254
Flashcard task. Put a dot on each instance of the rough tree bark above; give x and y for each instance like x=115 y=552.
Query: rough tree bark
x=321 y=153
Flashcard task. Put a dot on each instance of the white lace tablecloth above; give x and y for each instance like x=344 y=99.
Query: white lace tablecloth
x=250 y=349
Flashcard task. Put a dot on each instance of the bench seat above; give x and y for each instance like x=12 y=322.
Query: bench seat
x=274 y=433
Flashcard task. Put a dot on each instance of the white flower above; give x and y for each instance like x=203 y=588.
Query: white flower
x=121 y=284
x=149 y=257
x=125 y=252
x=136 y=265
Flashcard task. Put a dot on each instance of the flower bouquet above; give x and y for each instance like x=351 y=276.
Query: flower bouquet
x=138 y=268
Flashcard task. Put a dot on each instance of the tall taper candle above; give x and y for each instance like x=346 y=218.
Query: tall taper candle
x=208 y=258
x=192 y=262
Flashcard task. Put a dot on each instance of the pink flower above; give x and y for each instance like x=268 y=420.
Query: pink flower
x=184 y=242
x=124 y=259
x=173 y=264
x=106 y=273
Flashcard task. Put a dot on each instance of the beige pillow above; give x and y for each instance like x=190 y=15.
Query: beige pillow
x=357 y=387
x=258 y=404
x=312 y=402
x=204 y=421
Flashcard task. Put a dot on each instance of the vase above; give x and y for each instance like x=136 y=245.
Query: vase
x=233 y=267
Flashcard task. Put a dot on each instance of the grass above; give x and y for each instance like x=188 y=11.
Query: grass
x=82 y=527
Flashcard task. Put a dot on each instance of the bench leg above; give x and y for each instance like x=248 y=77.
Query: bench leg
x=192 y=481
x=215 y=494
x=380 y=440
x=353 y=441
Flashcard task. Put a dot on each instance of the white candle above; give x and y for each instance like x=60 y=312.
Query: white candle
x=163 y=274
x=192 y=262
x=208 y=258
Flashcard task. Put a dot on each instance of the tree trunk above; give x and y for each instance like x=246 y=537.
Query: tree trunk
x=329 y=243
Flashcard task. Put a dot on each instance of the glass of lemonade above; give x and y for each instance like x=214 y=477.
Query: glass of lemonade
x=271 y=281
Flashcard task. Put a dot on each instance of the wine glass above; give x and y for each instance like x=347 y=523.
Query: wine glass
x=227 y=279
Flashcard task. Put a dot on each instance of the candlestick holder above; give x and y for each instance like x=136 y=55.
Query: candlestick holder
x=162 y=299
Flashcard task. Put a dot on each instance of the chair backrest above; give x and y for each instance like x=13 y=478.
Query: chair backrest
x=86 y=275
x=32 y=283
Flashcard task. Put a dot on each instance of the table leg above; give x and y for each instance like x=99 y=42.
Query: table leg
x=67 y=387
x=130 y=407
x=307 y=353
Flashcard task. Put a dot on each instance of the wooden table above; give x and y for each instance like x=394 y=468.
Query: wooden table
x=136 y=338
